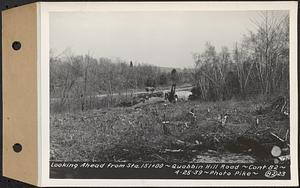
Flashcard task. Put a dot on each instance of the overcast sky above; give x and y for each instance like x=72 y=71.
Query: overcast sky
x=164 y=39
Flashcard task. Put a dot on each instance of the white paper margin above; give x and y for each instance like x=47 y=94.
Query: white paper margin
x=43 y=88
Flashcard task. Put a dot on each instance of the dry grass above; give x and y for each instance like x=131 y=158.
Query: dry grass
x=128 y=134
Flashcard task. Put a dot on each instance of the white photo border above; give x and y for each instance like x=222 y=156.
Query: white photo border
x=44 y=10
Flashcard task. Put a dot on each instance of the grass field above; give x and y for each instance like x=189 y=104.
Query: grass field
x=160 y=131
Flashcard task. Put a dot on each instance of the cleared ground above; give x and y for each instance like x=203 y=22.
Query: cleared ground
x=187 y=131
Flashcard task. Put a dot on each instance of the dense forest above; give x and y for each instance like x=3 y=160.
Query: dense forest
x=256 y=65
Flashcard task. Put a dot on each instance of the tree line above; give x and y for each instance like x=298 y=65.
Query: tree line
x=259 y=64
x=80 y=80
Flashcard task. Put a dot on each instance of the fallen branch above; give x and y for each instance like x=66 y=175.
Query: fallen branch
x=180 y=142
x=212 y=151
x=286 y=135
x=259 y=131
x=173 y=150
x=159 y=157
x=280 y=139
x=216 y=139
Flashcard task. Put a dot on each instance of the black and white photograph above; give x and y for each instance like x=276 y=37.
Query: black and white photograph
x=170 y=90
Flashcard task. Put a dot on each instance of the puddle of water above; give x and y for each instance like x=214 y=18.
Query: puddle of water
x=223 y=158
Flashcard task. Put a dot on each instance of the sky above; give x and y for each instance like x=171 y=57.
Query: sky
x=165 y=39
